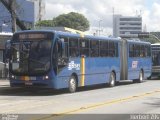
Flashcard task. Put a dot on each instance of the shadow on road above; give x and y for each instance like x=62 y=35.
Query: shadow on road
x=155 y=102
x=6 y=90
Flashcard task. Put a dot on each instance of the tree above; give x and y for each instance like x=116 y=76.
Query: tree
x=46 y=23
x=72 y=20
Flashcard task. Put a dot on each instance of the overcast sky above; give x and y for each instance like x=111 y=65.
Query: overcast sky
x=96 y=10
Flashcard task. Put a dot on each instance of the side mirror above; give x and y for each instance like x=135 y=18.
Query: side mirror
x=60 y=47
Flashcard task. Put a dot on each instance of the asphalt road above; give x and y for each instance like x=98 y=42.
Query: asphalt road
x=126 y=101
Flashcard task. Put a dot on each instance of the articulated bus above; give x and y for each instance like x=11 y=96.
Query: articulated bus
x=155 y=48
x=55 y=59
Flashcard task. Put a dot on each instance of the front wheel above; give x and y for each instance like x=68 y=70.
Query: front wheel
x=112 y=80
x=72 y=84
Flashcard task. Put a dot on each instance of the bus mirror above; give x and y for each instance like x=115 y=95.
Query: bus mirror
x=62 y=43
x=60 y=47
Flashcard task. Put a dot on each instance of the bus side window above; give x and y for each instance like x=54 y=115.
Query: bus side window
x=131 y=50
x=73 y=47
x=148 y=50
x=94 y=48
x=84 y=47
x=137 y=50
x=65 y=49
x=104 y=48
x=142 y=51
x=112 y=49
x=62 y=52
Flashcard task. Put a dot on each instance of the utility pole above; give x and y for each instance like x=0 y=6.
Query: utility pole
x=13 y=15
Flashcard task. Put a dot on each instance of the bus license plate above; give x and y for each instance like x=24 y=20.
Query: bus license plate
x=28 y=83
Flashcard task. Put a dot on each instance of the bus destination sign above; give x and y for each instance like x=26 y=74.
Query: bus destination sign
x=32 y=36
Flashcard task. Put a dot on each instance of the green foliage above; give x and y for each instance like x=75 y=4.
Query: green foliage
x=72 y=20
x=152 y=40
x=46 y=23
x=153 y=37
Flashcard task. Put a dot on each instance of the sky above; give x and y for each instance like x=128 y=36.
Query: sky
x=100 y=12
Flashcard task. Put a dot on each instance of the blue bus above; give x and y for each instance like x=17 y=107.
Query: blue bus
x=55 y=59
x=155 y=48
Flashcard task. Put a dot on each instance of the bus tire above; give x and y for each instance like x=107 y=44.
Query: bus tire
x=112 y=80
x=72 y=84
x=141 y=77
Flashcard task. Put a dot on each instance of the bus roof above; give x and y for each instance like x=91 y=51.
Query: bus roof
x=6 y=34
x=69 y=34
x=155 y=44
x=138 y=41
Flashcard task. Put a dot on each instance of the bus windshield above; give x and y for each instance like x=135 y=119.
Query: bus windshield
x=30 y=57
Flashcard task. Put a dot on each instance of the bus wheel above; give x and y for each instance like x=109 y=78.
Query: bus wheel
x=141 y=77
x=112 y=80
x=72 y=84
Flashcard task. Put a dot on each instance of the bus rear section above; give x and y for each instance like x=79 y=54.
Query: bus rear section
x=155 y=48
x=136 y=60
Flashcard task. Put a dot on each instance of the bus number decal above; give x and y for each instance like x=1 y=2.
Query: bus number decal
x=134 y=64
x=73 y=65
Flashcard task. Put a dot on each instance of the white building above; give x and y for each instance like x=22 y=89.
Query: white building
x=126 y=26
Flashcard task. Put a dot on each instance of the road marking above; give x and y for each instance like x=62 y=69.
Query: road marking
x=96 y=105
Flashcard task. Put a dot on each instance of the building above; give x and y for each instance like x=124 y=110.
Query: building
x=28 y=11
x=3 y=38
x=126 y=26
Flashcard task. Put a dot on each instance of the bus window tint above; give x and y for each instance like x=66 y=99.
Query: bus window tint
x=131 y=50
x=137 y=50
x=112 y=49
x=94 y=48
x=65 y=49
x=103 y=48
x=116 y=49
x=73 y=47
x=148 y=51
x=142 y=51
x=84 y=47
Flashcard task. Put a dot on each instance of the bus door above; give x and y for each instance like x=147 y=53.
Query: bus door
x=60 y=58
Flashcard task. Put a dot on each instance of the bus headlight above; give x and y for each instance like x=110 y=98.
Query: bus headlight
x=46 y=77
x=12 y=76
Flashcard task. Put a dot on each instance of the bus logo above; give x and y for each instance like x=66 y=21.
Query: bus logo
x=73 y=65
x=134 y=64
